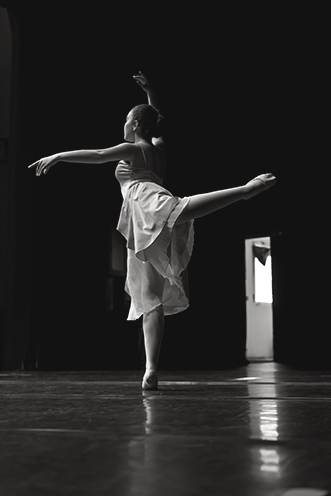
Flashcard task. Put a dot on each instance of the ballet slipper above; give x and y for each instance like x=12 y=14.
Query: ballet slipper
x=150 y=380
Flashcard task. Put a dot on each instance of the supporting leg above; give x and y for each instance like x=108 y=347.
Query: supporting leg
x=153 y=324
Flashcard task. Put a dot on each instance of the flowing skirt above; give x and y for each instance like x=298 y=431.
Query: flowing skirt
x=158 y=249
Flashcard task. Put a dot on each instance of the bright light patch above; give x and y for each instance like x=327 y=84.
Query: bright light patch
x=263 y=281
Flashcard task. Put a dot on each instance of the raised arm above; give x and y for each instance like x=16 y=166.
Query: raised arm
x=124 y=151
x=143 y=82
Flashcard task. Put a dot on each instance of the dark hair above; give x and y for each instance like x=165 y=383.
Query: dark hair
x=149 y=119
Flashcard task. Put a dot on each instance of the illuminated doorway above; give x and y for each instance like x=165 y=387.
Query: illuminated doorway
x=259 y=298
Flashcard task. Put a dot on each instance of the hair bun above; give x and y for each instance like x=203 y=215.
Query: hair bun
x=149 y=119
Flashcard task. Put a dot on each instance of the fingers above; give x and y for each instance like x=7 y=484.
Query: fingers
x=41 y=170
x=40 y=167
x=140 y=79
x=140 y=75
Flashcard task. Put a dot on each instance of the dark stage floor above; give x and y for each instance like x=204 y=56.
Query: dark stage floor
x=260 y=430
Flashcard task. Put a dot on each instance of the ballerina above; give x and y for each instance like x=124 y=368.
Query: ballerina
x=157 y=226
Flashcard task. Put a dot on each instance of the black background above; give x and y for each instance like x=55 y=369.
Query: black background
x=237 y=88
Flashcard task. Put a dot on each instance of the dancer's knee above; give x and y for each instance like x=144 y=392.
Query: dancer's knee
x=185 y=215
x=155 y=313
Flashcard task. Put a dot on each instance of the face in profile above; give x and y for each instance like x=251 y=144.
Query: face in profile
x=128 y=128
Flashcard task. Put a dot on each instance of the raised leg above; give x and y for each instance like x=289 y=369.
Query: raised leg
x=206 y=203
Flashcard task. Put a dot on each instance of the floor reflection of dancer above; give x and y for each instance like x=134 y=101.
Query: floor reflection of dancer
x=158 y=226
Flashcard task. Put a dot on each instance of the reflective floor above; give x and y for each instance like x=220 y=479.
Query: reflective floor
x=260 y=430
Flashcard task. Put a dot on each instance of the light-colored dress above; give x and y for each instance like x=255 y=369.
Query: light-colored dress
x=158 y=249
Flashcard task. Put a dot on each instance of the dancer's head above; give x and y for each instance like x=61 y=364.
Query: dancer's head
x=144 y=121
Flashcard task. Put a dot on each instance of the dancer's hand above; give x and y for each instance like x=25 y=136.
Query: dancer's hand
x=258 y=184
x=143 y=82
x=44 y=164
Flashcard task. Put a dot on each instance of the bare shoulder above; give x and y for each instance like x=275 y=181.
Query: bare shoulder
x=123 y=151
x=126 y=148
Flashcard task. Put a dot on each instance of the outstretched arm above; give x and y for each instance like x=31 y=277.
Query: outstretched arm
x=124 y=151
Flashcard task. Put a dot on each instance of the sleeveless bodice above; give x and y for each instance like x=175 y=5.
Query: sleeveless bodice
x=128 y=174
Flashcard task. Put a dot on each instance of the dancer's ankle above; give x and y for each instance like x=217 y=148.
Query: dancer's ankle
x=151 y=368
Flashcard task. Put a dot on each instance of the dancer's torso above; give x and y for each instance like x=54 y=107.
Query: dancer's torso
x=145 y=170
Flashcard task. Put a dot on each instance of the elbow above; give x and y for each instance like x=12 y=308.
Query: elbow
x=100 y=157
